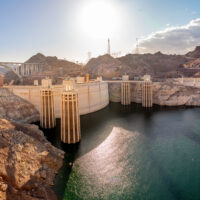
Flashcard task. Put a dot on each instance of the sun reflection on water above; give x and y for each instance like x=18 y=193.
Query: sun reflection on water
x=107 y=167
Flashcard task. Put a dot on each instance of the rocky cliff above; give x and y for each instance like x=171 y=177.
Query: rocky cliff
x=164 y=94
x=10 y=77
x=15 y=108
x=194 y=64
x=28 y=162
x=170 y=94
x=194 y=54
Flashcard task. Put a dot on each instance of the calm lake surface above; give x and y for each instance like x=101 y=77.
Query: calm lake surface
x=129 y=153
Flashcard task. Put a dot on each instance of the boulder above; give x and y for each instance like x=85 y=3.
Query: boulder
x=28 y=162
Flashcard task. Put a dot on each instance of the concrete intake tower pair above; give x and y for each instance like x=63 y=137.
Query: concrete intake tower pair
x=70 y=117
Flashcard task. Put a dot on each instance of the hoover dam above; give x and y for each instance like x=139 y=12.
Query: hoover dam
x=116 y=135
x=96 y=95
x=92 y=95
x=99 y=100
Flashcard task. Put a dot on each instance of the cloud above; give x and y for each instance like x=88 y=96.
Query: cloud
x=173 y=40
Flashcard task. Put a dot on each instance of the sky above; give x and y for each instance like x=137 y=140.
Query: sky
x=69 y=29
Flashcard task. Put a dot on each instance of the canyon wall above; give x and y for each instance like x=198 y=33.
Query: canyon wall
x=170 y=94
x=13 y=107
x=164 y=94
x=28 y=162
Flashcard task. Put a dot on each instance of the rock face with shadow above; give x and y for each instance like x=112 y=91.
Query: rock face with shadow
x=28 y=162
x=15 y=108
x=169 y=94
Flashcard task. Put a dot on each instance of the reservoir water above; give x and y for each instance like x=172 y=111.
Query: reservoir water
x=129 y=153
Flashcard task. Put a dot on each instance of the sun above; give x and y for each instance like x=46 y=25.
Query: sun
x=99 y=18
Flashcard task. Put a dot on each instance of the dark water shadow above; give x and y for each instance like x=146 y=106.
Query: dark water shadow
x=89 y=124
x=64 y=172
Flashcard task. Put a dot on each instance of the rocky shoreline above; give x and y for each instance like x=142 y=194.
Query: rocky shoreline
x=170 y=94
x=14 y=108
x=28 y=162
x=164 y=94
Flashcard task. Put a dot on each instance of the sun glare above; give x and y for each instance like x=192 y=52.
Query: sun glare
x=99 y=18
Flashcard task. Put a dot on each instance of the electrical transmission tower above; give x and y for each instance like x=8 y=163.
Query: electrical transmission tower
x=137 y=46
x=108 y=46
x=89 y=55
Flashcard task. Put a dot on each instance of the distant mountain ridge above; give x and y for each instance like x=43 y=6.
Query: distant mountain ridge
x=195 y=53
x=158 y=65
x=106 y=66
x=192 y=66
x=38 y=58
x=53 y=67
x=51 y=61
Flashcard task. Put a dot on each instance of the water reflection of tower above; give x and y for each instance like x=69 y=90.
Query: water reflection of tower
x=108 y=46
